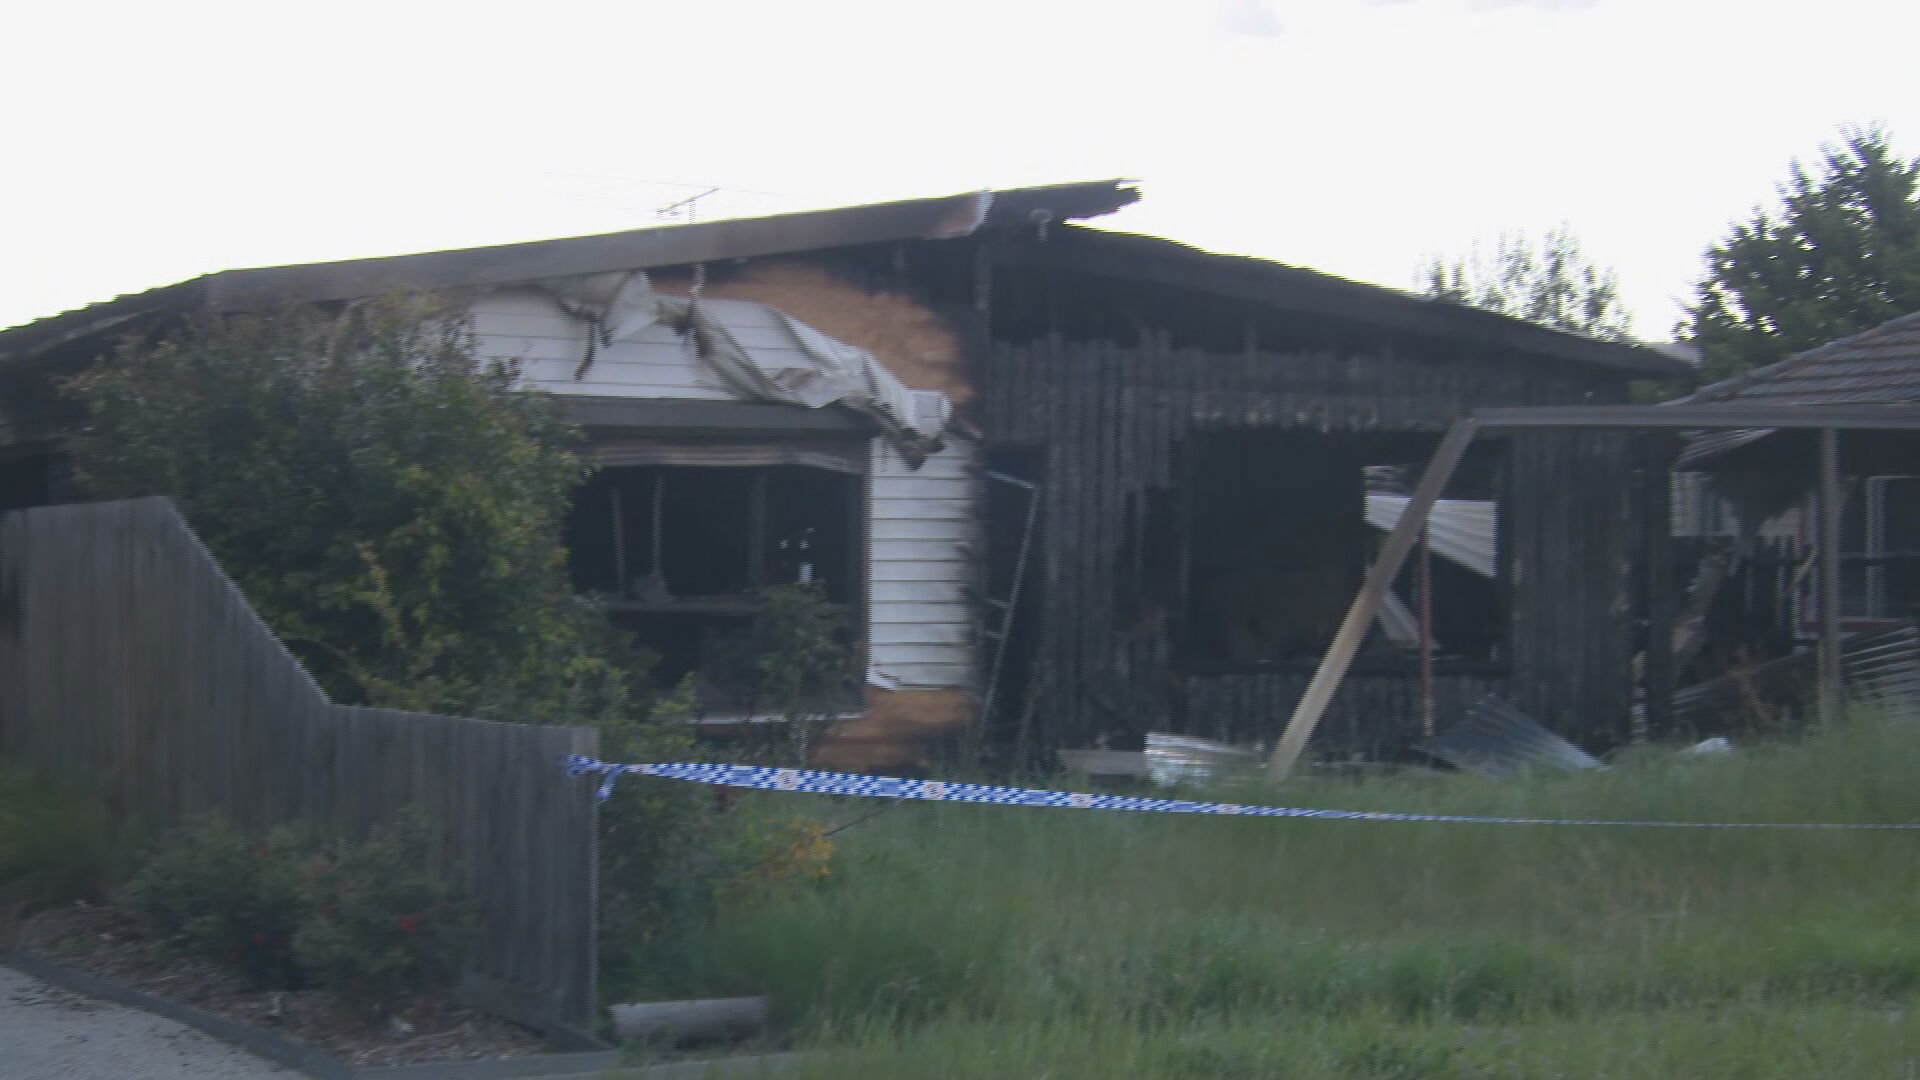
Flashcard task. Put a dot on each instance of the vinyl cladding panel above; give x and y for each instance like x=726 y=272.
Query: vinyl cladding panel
x=1110 y=418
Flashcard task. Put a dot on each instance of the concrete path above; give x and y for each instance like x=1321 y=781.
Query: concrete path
x=47 y=1033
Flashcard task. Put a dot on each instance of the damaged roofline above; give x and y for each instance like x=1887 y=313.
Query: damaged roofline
x=1170 y=263
x=944 y=217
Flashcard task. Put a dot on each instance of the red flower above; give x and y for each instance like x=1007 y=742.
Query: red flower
x=409 y=923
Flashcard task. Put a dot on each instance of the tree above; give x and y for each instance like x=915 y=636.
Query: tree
x=1551 y=283
x=1841 y=254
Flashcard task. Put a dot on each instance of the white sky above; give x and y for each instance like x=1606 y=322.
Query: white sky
x=147 y=143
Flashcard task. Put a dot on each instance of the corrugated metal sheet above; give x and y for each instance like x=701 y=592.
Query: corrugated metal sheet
x=924 y=526
x=1462 y=530
x=1497 y=740
x=1880 y=667
x=1884 y=668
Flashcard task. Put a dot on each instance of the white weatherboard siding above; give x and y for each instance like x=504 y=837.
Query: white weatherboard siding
x=648 y=362
x=924 y=521
x=924 y=528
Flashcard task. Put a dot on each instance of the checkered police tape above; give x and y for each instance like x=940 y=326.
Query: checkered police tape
x=811 y=782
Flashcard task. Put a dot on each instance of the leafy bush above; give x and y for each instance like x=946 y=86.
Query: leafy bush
x=370 y=922
x=56 y=842
x=391 y=503
x=657 y=859
x=232 y=902
x=795 y=659
x=385 y=928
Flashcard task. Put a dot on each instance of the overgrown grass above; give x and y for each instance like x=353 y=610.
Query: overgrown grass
x=958 y=941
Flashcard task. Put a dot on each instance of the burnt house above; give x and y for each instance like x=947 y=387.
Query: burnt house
x=1072 y=485
x=1219 y=441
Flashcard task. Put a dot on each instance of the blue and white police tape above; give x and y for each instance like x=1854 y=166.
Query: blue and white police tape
x=812 y=782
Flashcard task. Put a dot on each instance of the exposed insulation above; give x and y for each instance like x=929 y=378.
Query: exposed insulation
x=898 y=730
x=915 y=344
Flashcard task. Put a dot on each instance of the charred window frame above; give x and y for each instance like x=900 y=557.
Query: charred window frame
x=1278 y=528
x=679 y=553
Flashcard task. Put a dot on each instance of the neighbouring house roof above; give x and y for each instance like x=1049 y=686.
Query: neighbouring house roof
x=1133 y=257
x=1880 y=366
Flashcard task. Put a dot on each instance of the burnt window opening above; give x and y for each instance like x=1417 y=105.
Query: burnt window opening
x=681 y=553
x=1148 y=559
x=1279 y=529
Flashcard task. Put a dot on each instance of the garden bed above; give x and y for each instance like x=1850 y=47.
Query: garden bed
x=101 y=942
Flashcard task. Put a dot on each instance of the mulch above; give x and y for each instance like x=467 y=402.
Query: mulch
x=102 y=942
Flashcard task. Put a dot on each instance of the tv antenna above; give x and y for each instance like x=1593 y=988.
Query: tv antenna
x=689 y=206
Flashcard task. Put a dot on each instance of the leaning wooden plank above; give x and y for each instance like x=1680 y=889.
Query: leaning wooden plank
x=1333 y=667
x=1832 y=693
x=708 y=1020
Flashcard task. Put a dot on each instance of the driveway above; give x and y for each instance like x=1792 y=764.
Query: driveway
x=47 y=1033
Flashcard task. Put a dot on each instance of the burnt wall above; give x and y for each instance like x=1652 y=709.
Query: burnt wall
x=1105 y=424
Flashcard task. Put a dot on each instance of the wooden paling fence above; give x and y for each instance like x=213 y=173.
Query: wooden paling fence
x=128 y=658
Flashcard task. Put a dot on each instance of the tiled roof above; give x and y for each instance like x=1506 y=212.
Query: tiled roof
x=1880 y=366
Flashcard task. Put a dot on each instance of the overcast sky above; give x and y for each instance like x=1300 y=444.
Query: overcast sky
x=149 y=143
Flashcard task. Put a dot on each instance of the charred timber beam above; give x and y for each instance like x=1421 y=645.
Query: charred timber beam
x=1287 y=288
x=1704 y=417
x=1333 y=668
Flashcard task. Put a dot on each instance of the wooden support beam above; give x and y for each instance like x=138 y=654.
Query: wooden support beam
x=1832 y=693
x=1366 y=605
x=1426 y=633
x=1660 y=672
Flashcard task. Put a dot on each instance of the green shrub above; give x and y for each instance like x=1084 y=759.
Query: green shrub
x=394 y=506
x=56 y=843
x=231 y=901
x=385 y=928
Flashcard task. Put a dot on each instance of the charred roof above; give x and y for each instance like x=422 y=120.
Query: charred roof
x=1034 y=218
